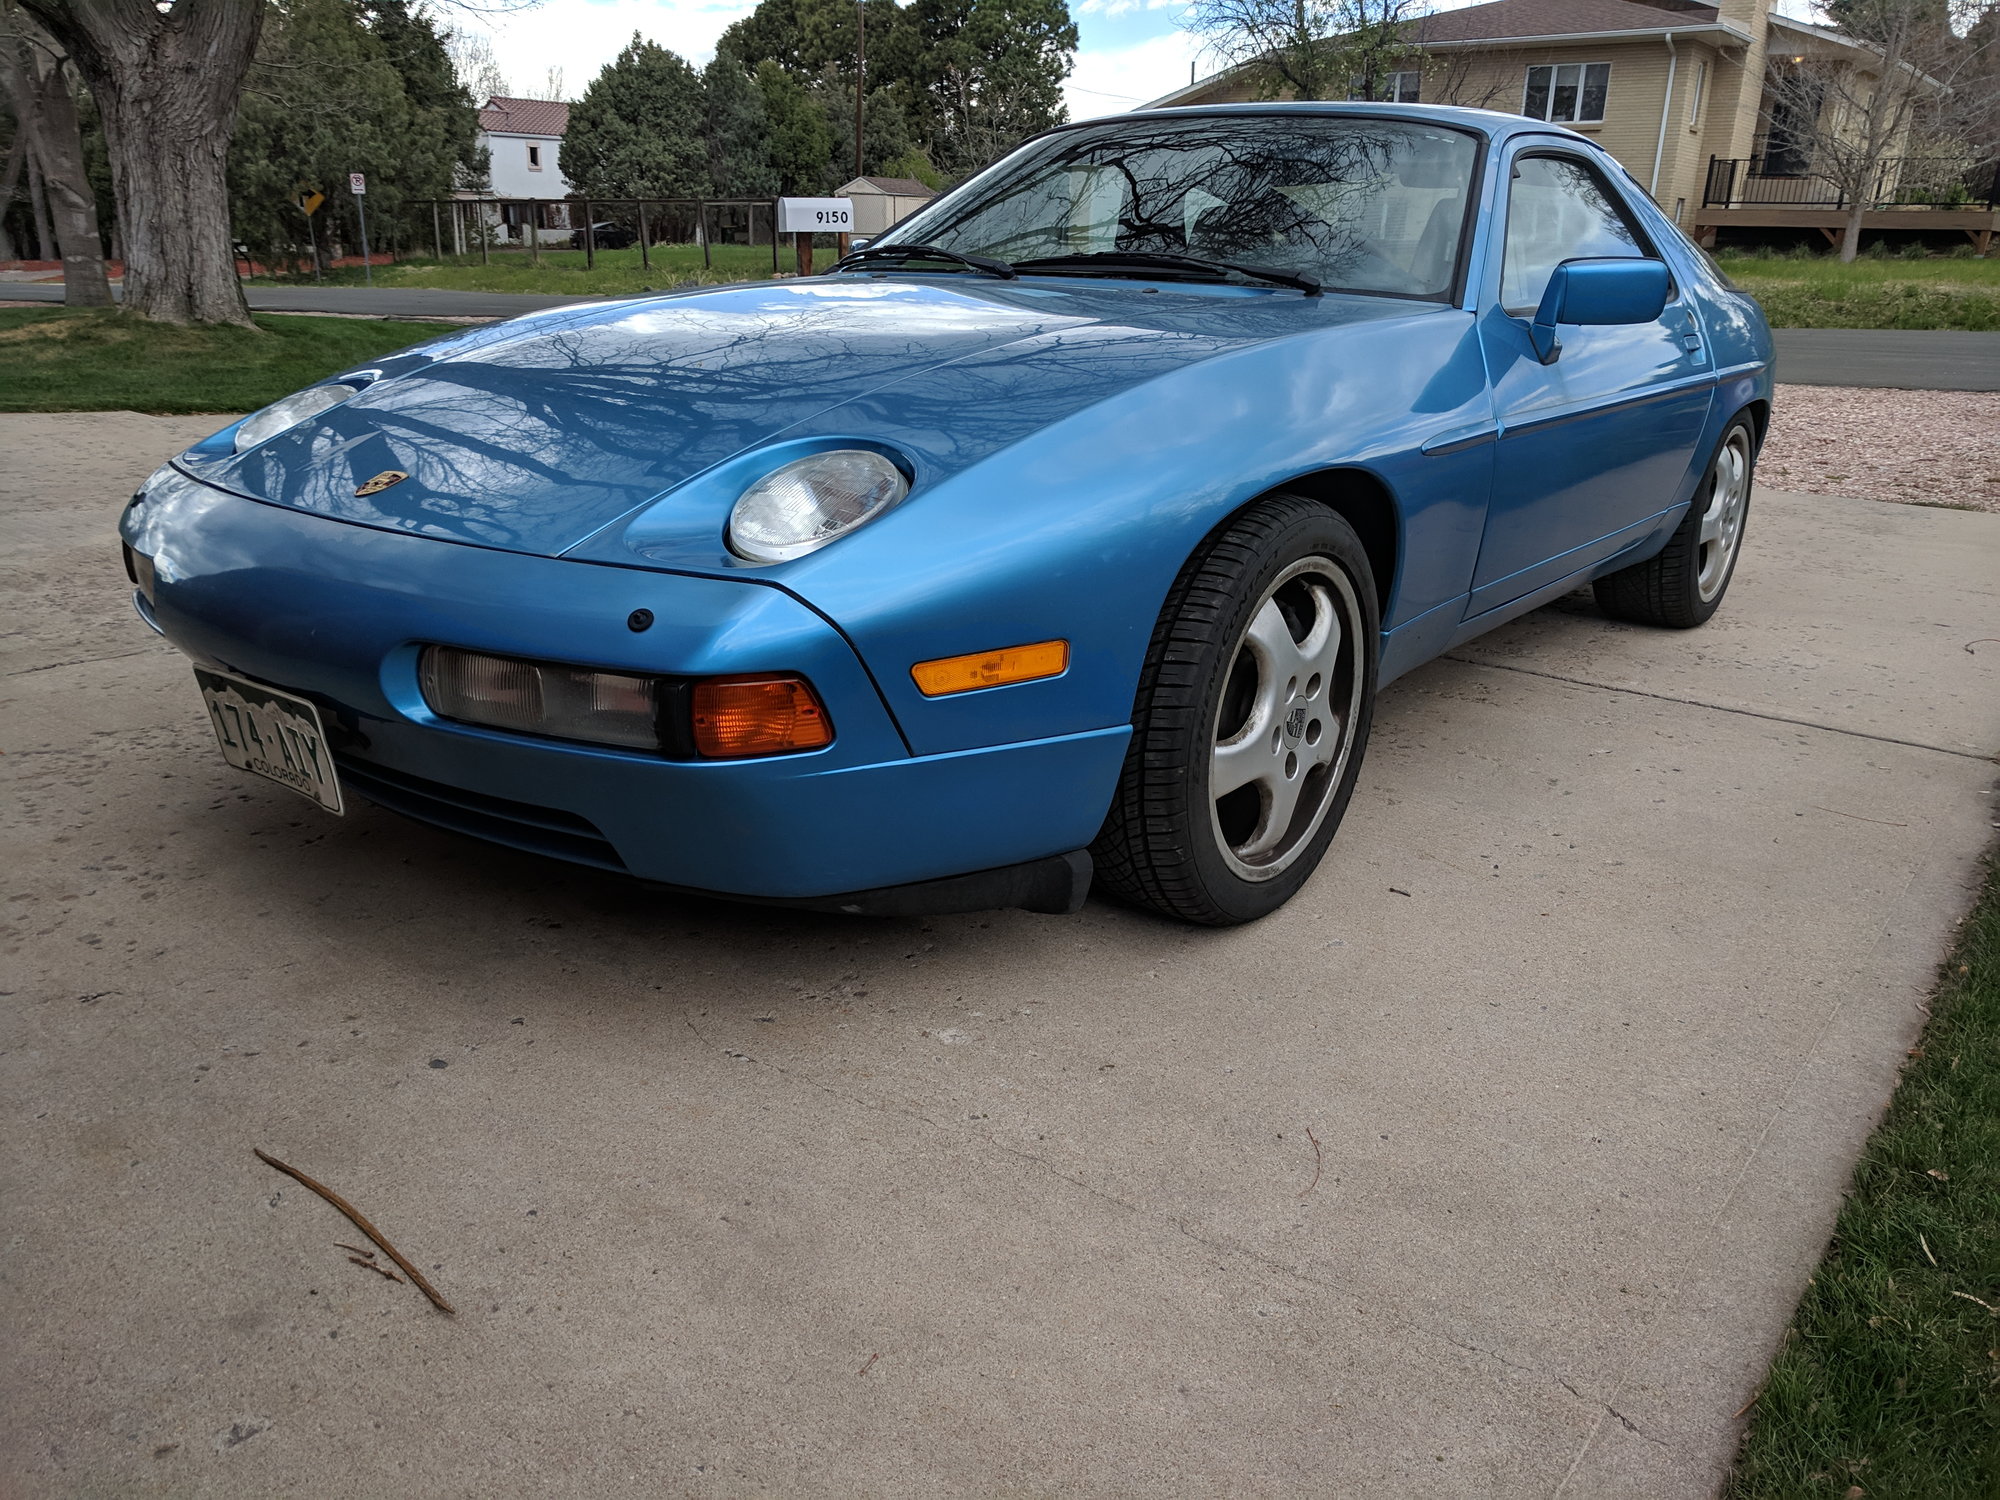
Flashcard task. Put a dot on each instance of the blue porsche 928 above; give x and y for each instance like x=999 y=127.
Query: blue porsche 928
x=1067 y=530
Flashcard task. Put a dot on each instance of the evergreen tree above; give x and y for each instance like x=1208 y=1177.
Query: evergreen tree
x=738 y=133
x=800 y=136
x=885 y=128
x=991 y=73
x=440 y=147
x=322 y=100
x=639 y=131
x=969 y=78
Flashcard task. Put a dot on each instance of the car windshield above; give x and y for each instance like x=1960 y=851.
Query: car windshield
x=1358 y=204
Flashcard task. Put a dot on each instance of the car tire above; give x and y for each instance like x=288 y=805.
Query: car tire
x=1224 y=698
x=1682 y=585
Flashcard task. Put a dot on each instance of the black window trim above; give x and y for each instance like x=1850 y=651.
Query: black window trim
x=1562 y=151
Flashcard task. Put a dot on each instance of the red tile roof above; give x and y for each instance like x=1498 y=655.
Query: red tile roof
x=550 y=117
x=1505 y=20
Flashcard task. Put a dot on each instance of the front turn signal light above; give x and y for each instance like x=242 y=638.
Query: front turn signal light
x=985 y=669
x=735 y=716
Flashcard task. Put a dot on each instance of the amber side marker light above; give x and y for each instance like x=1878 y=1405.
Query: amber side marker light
x=736 y=716
x=985 y=669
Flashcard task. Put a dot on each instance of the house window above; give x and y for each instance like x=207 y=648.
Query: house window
x=1572 y=93
x=1391 y=88
x=1694 y=94
x=534 y=158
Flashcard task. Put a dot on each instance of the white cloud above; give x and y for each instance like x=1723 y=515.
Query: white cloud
x=1111 y=80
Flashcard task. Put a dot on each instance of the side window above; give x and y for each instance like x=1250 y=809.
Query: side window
x=1557 y=210
x=534 y=158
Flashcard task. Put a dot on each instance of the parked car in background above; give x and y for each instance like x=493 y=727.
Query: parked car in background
x=1070 y=527
x=608 y=236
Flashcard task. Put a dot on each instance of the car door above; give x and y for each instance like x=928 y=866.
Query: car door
x=1595 y=445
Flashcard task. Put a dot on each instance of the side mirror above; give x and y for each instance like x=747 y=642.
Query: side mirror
x=858 y=242
x=1598 y=291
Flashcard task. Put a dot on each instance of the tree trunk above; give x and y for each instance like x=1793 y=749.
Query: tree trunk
x=45 y=118
x=17 y=158
x=166 y=83
x=38 y=206
x=1850 y=239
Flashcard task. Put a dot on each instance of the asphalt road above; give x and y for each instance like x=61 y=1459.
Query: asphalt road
x=1493 y=1165
x=1895 y=359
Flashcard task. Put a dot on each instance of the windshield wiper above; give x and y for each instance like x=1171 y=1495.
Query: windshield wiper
x=982 y=263
x=1165 y=260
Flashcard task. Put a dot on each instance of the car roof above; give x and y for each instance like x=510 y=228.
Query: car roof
x=1493 y=123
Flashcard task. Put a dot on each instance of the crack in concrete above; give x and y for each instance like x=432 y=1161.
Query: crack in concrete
x=81 y=661
x=1603 y=1407
x=1721 y=708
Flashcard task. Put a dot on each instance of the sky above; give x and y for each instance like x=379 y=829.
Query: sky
x=1132 y=50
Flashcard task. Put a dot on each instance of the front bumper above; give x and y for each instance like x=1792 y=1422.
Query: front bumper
x=339 y=613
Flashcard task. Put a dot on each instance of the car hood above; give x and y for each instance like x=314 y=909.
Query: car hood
x=534 y=435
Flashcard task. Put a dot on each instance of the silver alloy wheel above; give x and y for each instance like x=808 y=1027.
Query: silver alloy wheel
x=1722 y=522
x=1284 y=725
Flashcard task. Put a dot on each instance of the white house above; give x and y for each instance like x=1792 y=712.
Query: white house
x=523 y=139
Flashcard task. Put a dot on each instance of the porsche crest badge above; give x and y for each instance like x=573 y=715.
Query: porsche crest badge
x=381 y=482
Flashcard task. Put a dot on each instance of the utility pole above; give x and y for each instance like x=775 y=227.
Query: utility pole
x=860 y=72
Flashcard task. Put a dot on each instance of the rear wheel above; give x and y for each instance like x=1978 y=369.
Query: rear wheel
x=1252 y=716
x=1683 y=584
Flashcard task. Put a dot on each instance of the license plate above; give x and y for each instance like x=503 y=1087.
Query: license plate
x=274 y=734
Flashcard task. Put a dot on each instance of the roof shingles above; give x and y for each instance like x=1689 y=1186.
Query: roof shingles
x=1506 y=20
x=504 y=116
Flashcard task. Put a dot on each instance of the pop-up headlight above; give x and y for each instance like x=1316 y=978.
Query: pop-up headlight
x=260 y=426
x=812 y=501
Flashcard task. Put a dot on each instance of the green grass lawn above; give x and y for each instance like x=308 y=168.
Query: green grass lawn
x=1889 y=1378
x=1814 y=292
x=56 y=359
x=1820 y=292
x=563 y=271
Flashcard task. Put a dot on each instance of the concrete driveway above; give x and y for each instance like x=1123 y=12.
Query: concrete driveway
x=1491 y=1166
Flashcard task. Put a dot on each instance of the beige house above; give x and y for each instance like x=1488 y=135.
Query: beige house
x=1673 y=89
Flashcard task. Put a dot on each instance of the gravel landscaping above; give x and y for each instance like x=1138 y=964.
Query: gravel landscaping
x=1911 y=447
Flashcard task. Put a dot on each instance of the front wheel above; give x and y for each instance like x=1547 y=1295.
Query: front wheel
x=1682 y=585
x=1252 y=715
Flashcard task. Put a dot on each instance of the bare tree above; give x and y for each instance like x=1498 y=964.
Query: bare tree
x=472 y=58
x=1463 y=76
x=1312 y=49
x=165 y=77
x=1849 y=121
x=39 y=88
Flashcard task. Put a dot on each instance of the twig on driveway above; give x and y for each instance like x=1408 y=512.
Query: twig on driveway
x=377 y=1268
x=1856 y=816
x=1319 y=1161
x=361 y=1224
x=1984 y=640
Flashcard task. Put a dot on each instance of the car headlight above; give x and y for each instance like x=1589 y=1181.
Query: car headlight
x=289 y=412
x=812 y=501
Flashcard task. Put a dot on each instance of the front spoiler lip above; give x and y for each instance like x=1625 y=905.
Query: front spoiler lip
x=1055 y=886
